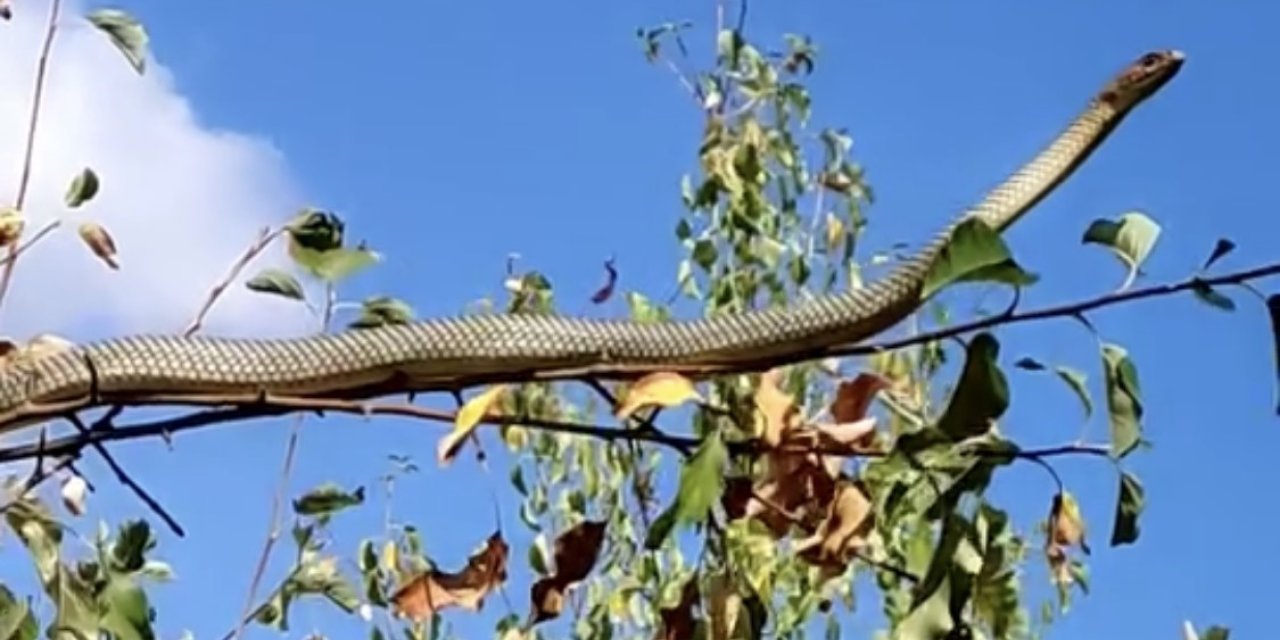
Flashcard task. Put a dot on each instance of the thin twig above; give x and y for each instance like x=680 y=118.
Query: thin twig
x=23 y=246
x=128 y=481
x=274 y=533
x=265 y=237
x=24 y=182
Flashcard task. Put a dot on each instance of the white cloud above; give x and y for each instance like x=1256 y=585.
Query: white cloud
x=181 y=199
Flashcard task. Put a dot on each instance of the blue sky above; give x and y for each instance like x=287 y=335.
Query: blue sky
x=450 y=135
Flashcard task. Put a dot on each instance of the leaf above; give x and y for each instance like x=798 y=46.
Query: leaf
x=276 y=281
x=73 y=492
x=1212 y=297
x=848 y=522
x=853 y=397
x=83 y=188
x=1273 y=311
x=1216 y=633
x=1077 y=382
x=606 y=290
x=1030 y=364
x=336 y=265
x=11 y=225
x=661 y=389
x=126 y=33
x=1130 y=238
x=1124 y=400
x=420 y=598
x=125 y=611
x=99 y=242
x=777 y=409
x=1129 y=505
x=577 y=549
x=16 y=620
x=1066 y=523
x=469 y=416
x=1220 y=249
x=982 y=394
x=701 y=484
x=975 y=253
x=314 y=230
x=677 y=621
x=327 y=499
x=380 y=311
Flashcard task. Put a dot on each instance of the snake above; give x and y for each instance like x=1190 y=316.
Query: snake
x=452 y=352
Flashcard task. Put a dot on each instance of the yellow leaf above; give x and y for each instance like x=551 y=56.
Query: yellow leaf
x=468 y=417
x=835 y=229
x=662 y=389
x=11 y=225
x=776 y=408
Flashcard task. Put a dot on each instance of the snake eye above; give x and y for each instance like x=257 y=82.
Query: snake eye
x=1150 y=59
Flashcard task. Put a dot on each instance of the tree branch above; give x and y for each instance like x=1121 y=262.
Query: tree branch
x=265 y=237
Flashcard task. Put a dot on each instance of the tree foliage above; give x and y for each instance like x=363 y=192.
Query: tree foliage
x=770 y=504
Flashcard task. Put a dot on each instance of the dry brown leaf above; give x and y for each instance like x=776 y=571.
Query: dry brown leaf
x=798 y=484
x=100 y=242
x=576 y=550
x=1066 y=524
x=724 y=605
x=469 y=416
x=547 y=599
x=432 y=591
x=849 y=521
x=853 y=397
x=11 y=226
x=663 y=389
x=776 y=407
x=677 y=621
x=737 y=493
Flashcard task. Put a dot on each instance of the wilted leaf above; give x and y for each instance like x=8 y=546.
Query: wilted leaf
x=1124 y=400
x=976 y=253
x=1221 y=248
x=777 y=408
x=125 y=32
x=661 y=389
x=1130 y=238
x=99 y=241
x=335 y=265
x=1066 y=523
x=982 y=394
x=11 y=225
x=849 y=520
x=606 y=290
x=468 y=417
x=276 y=282
x=546 y=600
x=1129 y=506
x=723 y=607
x=1030 y=364
x=678 y=622
x=576 y=550
x=853 y=397
x=327 y=499
x=83 y=188
x=422 y=597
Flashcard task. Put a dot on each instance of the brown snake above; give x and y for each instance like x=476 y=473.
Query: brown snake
x=449 y=353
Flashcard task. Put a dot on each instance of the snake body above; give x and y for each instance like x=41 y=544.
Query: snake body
x=443 y=353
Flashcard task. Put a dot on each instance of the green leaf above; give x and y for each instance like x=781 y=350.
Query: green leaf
x=126 y=612
x=1130 y=237
x=380 y=311
x=1129 y=506
x=1212 y=297
x=975 y=253
x=336 y=265
x=327 y=499
x=981 y=396
x=1124 y=400
x=315 y=230
x=1273 y=310
x=1222 y=248
x=1030 y=364
x=705 y=254
x=133 y=541
x=126 y=33
x=83 y=188
x=16 y=620
x=1076 y=381
x=701 y=483
x=276 y=282
x=1216 y=633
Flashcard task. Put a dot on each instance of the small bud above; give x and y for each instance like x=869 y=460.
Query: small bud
x=100 y=242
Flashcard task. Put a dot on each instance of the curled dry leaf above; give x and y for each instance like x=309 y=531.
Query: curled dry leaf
x=100 y=242
x=466 y=421
x=848 y=523
x=606 y=291
x=576 y=551
x=663 y=389
x=677 y=621
x=724 y=606
x=1066 y=524
x=777 y=409
x=11 y=226
x=432 y=591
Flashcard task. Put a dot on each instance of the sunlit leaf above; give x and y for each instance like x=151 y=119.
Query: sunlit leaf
x=658 y=389
x=83 y=188
x=277 y=282
x=975 y=253
x=468 y=418
x=1129 y=506
x=1124 y=400
x=125 y=32
x=701 y=484
x=1129 y=237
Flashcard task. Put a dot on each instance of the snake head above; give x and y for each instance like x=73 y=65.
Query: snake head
x=1142 y=78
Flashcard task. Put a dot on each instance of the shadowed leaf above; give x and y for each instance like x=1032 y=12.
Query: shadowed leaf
x=1124 y=400
x=606 y=290
x=277 y=282
x=976 y=253
x=380 y=311
x=1212 y=297
x=1129 y=506
x=1220 y=249
x=327 y=499
x=1273 y=312
x=83 y=188
x=981 y=396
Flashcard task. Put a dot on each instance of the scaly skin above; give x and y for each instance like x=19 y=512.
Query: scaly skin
x=448 y=353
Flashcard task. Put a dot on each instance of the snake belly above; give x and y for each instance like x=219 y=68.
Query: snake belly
x=447 y=353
